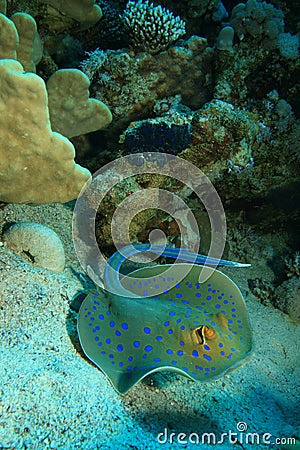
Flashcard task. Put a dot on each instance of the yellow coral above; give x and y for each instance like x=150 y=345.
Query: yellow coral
x=36 y=164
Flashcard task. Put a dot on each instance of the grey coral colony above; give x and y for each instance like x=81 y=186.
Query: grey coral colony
x=151 y=28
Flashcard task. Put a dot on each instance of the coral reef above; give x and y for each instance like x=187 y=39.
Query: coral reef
x=131 y=84
x=37 y=244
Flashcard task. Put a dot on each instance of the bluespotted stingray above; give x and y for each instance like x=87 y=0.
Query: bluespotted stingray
x=146 y=322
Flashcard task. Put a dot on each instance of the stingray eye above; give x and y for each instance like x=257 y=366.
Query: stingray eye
x=209 y=333
x=198 y=334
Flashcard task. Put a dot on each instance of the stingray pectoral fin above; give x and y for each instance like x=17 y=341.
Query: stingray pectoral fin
x=200 y=330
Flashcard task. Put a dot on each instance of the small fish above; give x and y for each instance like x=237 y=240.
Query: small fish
x=161 y=317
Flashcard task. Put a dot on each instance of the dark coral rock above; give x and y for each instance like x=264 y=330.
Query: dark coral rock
x=157 y=135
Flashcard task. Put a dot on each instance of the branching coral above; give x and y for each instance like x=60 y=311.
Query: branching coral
x=152 y=28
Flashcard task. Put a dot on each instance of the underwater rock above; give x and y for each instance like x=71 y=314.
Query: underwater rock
x=37 y=244
x=287 y=298
x=223 y=136
x=130 y=84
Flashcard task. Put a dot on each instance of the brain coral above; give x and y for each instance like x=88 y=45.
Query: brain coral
x=36 y=243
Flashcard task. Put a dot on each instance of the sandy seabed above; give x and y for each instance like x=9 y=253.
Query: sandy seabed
x=52 y=397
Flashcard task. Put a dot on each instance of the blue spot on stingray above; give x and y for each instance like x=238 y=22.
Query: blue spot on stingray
x=218 y=306
x=101 y=317
x=124 y=326
x=136 y=344
x=120 y=347
x=111 y=356
x=171 y=313
x=130 y=358
x=158 y=338
x=108 y=341
x=96 y=294
x=145 y=292
x=195 y=353
x=180 y=353
x=206 y=347
x=108 y=313
x=182 y=327
x=100 y=344
x=179 y=295
x=177 y=285
x=118 y=333
x=179 y=320
x=148 y=348
x=111 y=323
x=185 y=369
x=181 y=343
x=96 y=338
x=170 y=331
x=169 y=351
x=198 y=295
x=230 y=356
x=208 y=297
x=225 y=302
x=209 y=358
x=174 y=363
x=129 y=367
x=230 y=321
x=185 y=302
x=222 y=353
x=157 y=360
x=166 y=324
x=199 y=368
x=147 y=330
x=221 y=345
